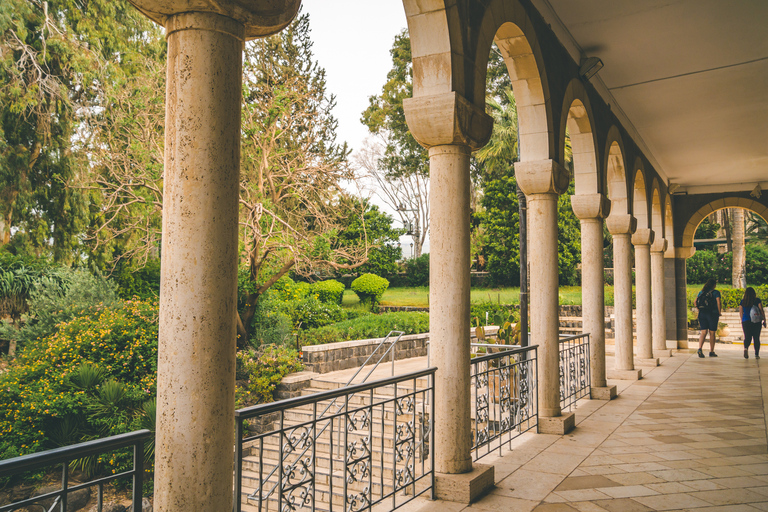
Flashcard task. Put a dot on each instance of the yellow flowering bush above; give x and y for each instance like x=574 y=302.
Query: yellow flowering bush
x=43 y=400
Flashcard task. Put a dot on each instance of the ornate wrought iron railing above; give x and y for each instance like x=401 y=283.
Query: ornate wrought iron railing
x=64 y=456
x=574 y=369
x=288 y=456
x=504 y=397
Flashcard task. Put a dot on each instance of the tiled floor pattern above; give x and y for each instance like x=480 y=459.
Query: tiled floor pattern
x=691 y=435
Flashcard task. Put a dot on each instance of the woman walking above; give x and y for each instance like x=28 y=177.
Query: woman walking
x=708 y=302
x=751 y=327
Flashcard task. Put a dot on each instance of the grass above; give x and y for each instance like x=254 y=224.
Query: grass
x=419 y=296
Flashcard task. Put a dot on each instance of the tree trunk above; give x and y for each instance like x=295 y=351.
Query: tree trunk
x=727 y=226
x=738 y=274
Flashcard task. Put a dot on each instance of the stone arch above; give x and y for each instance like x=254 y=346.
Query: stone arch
x=729 y=202
x=433 y=62
x=640 y=198
x=615 y=173
x=577 y=117
x=533 y=106
x=657 y=210
x=669 y=227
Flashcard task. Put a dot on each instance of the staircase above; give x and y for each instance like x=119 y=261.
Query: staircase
x=363 y=447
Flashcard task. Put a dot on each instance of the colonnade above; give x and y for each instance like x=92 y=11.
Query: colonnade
x=199 y=259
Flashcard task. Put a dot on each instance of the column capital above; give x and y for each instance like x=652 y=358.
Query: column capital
x=659 y=245
x=643 y=236
x=621 y=224
x=446 y=120
x=259 y=17
x=541 y=177
x=590 y=206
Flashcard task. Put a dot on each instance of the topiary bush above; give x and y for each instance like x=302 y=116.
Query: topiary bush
x=370 y=288
x=329 y=292
x=368 y=326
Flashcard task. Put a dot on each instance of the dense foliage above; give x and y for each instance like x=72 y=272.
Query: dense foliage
x=264 y=369
x=368 y=326
x=705 y=264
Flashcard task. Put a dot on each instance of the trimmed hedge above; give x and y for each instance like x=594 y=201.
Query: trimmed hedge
x=730 y=297
x=329 y=292
x=370 y=288
x=368 y=326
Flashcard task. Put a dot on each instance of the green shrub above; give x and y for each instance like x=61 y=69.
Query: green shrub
x=757 y=264
x=309 y=313
x=417 y=271
x=265 y=369
x=368 y=326
x=271 y=325
x=142 y=283
x=478 y=310
x=329 y=292
x=729 y=297
x=370 y=288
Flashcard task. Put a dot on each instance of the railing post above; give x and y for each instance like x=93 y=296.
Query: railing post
x=138 y=474
x=238 y=463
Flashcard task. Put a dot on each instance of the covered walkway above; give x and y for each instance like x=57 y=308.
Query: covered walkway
x=691 y=435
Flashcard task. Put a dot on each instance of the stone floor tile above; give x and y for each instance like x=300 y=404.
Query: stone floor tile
x=703 y=485
x=672 y=501
x=628 y=491
x=763 y=505
x=552 y=507
x=582 y=495
x=724 y=508
x=586 y=506
x=724 y=471
x=631 y=458
x=670 y=487
x=756 y=469
x=529 y=485
x=642 y=466
x=729 y=496
x=679 y=475
x=498 y=503
x=572 y=483
x=555 y=463
x=640 y=478
x=441 y=506
x=622 y=505
x=737 y=482
x=601 y=470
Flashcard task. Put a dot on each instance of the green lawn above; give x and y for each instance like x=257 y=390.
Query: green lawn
x=419 y=296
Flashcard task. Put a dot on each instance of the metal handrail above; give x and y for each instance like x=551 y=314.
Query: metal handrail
x=67 y=454
x=292 y=403
x=346 y=388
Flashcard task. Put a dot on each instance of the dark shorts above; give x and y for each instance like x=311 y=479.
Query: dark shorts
x=708 y=320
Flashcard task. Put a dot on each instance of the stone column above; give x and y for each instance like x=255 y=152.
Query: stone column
x=621 y=228
x=542 y=182
x=451 y=128
x=198 y=286
x=659 y=306
x=591 y=210
x=642 y=240
x=670 y=298
x=681 y=294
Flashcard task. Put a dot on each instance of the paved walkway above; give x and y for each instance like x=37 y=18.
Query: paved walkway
x=691 y=435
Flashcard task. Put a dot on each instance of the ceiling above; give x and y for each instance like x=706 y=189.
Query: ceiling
x=690 y=77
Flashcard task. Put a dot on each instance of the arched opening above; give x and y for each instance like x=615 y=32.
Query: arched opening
x=657 y=216
x=699 y=215
x=580 y=131
x=669 y=227
x=531 y=100
x=616 y=180
x=640 y=201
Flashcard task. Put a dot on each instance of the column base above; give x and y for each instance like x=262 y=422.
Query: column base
x=604 y=393
x=558 y=425
x=654 y=361
x=685 y=351
x=662 y=353
x=465 y=487
x=625 y=374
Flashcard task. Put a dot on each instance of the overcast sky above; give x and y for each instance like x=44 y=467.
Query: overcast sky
x=352 y=39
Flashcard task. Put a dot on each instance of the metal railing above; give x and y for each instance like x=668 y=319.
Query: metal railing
x=68 y=454
x=574 y=369
x=504 y=397
x=296 y=462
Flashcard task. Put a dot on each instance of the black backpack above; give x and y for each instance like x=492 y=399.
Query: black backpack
x=706 y=301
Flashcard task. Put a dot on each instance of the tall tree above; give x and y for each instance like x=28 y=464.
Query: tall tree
x=49 y=55
x=397 y=164
x=292 y=195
